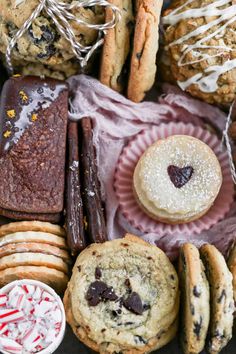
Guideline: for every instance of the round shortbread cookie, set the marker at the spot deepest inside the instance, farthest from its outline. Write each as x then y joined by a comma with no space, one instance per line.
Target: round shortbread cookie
31,226
221,298
22,247
32,236
52,277
195,300
177,179
138,294
33,259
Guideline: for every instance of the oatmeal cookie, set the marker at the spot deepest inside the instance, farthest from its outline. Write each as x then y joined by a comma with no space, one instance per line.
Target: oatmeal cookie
199,36
123,296
42,42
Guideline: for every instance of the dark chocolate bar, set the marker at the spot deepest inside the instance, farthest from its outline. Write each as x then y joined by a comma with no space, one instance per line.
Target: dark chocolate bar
92,197
33,124
74,204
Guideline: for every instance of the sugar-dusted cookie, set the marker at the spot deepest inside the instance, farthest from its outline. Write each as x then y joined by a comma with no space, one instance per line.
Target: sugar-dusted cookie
145,46
221,298
31,226
123,296
195,300
177,179
116,47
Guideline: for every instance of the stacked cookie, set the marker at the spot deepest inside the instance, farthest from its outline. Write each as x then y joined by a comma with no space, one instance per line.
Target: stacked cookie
232,267
34,250
123,297
129,52
206,299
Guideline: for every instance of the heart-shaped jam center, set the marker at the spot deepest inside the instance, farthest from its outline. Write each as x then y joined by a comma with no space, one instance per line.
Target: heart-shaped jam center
179,176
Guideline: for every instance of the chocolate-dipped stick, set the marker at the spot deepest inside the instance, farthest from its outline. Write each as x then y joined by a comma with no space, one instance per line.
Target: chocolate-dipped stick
92,196
74,205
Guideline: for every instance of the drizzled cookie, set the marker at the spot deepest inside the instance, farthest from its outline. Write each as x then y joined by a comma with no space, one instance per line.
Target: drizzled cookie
200,48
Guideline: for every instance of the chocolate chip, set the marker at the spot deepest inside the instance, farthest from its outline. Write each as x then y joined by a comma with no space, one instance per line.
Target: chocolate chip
134,304
98,273
197,328
172,277
146,307
192,309
109,294
180,176
196,292
139,339
222,295
127,283
103,330
139,55
99,291
94,293
79,268
50,50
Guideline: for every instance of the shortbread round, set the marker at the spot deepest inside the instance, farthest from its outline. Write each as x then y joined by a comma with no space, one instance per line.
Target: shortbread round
177,179
34,247
33,259
139,301
20,226
221,298
33,236
195,300
52,277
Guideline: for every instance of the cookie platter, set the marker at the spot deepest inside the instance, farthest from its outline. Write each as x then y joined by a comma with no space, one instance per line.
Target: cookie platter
117,194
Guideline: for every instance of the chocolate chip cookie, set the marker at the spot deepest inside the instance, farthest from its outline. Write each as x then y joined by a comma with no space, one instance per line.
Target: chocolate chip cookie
232,267
42,42
194,300
221,298
145,46
123,296
117,46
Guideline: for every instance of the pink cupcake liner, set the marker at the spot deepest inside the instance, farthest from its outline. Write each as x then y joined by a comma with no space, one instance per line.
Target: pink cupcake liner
124,178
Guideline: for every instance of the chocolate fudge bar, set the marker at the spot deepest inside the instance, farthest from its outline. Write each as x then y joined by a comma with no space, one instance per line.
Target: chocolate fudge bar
92,197
33,125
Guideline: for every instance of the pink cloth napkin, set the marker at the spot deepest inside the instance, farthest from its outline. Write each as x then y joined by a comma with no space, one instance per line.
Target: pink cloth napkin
116,120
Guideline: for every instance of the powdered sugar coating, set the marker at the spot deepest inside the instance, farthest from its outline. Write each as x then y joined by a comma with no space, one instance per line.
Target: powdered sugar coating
154,187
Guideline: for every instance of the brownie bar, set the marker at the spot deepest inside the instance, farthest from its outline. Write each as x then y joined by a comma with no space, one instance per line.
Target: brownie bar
92,198
33,124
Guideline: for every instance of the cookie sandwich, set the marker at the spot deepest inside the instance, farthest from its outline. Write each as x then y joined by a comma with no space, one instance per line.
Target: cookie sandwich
177,179
123,296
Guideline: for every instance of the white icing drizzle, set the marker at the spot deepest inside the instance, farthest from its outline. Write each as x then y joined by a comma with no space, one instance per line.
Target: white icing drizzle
206,80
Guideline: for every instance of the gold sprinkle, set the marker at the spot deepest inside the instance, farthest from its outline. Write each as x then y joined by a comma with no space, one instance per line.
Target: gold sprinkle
16,75
7,134
34,117
23,96
85,223
11,113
